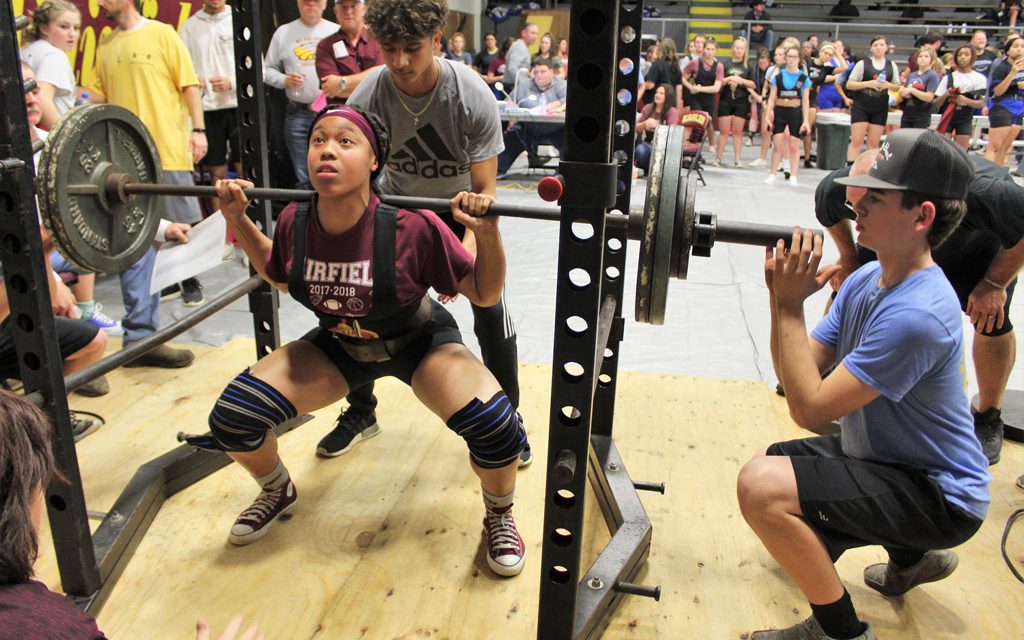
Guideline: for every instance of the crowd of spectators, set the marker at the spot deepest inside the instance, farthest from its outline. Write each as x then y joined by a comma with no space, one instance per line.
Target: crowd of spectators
737,91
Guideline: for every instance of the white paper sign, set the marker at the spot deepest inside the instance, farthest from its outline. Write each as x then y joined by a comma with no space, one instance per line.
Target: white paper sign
179,261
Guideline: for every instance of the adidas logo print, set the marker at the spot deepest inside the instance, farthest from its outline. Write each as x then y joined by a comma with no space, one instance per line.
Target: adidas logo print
426,155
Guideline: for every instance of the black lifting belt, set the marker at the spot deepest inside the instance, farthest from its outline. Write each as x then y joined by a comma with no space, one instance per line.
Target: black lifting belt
382,350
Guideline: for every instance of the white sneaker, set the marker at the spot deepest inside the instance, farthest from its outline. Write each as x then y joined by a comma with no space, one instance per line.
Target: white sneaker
759,163
716,162
770,179
793,182
748,142
738,164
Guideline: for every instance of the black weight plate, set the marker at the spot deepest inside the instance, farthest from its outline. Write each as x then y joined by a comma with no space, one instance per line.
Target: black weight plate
85,146
645,260
664,237
685,204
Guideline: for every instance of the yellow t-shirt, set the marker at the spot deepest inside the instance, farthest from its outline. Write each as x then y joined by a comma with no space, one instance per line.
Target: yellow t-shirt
145,70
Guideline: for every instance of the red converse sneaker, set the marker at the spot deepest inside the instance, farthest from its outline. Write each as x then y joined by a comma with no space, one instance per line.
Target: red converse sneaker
254,523
506,552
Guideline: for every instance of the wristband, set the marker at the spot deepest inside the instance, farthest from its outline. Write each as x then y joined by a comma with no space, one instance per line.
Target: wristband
994,284
344,83
197,130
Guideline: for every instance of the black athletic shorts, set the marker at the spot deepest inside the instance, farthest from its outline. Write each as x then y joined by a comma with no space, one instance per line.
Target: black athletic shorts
859,114
703,102
962,123
72,336
221,133
788,117
915,119
965,259
402,365
738,109
854,503
1002,117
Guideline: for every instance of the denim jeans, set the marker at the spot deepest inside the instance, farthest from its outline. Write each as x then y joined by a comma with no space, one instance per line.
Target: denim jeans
296,137
141,310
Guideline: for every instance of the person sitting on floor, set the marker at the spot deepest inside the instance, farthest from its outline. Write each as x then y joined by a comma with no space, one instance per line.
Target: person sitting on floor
906,472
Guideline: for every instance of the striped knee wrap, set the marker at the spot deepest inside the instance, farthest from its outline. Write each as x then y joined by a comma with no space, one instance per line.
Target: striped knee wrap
492,429
246,409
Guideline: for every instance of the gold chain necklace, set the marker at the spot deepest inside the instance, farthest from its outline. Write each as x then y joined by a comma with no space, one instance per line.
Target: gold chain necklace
416,114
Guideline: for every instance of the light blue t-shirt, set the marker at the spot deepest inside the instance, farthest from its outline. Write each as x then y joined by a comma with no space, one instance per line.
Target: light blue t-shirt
906,342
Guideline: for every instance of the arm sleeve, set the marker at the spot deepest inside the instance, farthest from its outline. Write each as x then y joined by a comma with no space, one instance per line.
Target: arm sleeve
272,69
719,72
1002,206
446,262
830,200
691,68
516,59
325,64
672,117
857,73
180,62
281,253
827,330
931,82
484,137
941,88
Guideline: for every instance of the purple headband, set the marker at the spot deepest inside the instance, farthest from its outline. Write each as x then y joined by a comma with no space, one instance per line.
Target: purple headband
355,118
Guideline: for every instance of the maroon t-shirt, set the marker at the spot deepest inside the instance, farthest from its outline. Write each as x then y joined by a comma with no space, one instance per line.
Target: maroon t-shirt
338,269
337,56
30,611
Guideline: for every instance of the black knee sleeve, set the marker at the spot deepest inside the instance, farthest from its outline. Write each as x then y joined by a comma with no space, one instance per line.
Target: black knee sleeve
247,408
492,429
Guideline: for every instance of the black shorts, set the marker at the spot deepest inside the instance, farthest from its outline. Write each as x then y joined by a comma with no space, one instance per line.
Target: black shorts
738,109
402,365
854,503
221,134
915,119
999,116
703,102
876,116
962,122
965,259
72,336
788,118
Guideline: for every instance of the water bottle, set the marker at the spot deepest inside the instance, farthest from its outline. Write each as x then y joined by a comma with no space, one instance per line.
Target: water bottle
82,99
543,108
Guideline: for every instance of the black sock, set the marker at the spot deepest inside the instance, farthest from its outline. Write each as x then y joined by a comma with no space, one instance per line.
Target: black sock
904,558
838,619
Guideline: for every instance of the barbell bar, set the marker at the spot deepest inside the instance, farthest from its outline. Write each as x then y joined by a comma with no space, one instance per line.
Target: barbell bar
100,174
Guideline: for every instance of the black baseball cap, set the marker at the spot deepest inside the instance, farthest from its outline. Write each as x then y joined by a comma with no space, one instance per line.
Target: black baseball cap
919,160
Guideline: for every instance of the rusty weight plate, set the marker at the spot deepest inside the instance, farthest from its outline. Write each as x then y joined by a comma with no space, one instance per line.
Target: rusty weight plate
652,205
683,240
89,226
664,235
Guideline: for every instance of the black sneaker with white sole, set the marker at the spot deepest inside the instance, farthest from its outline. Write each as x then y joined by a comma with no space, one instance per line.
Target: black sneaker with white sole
83,426
352,427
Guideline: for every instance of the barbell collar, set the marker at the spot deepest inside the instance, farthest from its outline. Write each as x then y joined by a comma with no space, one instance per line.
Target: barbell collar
20,23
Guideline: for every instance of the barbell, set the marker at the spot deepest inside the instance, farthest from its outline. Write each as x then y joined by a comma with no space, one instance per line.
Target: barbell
99,177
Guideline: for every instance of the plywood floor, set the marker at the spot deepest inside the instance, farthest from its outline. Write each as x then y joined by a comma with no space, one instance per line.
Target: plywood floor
385,542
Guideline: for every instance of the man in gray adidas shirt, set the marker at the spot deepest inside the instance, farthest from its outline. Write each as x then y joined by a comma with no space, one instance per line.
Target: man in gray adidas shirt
445,138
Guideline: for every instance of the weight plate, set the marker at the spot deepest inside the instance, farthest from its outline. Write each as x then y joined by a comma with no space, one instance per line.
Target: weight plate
664,236
645,260
91,227
685,204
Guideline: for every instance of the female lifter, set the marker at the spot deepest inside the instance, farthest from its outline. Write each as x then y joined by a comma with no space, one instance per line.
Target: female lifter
364,269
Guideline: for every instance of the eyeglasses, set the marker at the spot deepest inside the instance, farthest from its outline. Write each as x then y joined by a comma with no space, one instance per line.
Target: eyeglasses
849,205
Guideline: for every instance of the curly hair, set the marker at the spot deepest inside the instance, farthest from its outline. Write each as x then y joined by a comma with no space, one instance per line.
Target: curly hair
379,131
393,21
26,466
